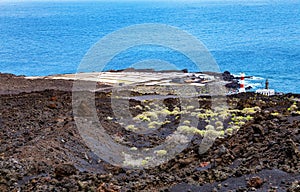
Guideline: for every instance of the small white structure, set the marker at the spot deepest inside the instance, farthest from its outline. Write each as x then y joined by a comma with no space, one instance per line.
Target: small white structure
268,92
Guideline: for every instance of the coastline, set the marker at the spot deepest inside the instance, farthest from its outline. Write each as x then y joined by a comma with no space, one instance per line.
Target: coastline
124,77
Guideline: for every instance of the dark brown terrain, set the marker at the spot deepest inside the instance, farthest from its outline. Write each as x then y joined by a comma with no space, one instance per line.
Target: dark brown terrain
41,149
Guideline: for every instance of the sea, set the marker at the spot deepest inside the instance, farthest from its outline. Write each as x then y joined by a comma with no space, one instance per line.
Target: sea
260,38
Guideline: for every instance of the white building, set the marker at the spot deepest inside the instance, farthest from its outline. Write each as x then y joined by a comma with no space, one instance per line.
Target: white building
268,92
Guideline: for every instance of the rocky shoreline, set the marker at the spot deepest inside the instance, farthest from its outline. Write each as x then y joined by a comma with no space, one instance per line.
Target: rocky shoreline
42,150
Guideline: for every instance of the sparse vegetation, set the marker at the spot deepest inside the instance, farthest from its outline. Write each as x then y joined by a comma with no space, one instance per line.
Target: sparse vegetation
154,124
161,152
293,107
229,131
275,114
251,110
141,117
133,149
190,107
130,128
190,130
209,127
213,134
144,162
219,124
138,107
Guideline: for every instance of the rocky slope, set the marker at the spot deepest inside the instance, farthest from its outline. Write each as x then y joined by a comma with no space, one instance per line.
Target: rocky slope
41,149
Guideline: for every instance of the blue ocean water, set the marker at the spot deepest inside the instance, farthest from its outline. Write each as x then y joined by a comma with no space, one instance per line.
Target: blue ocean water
260,38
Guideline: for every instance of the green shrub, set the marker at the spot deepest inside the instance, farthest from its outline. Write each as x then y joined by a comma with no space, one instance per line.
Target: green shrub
144,162
239,123
176,111
130,128
154,124
235,127
223,116
293,107
275,114
152,115
221,133
138,107
249,118
190,107
234,111
229,131
141,117
190,130
251,110
165,112
167,122
218,124
297,112
161,152
202,116
209,127
213,133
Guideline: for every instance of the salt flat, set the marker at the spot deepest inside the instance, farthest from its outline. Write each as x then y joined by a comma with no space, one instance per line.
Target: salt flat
128,78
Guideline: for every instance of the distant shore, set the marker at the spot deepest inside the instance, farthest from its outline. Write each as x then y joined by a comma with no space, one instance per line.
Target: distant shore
13,84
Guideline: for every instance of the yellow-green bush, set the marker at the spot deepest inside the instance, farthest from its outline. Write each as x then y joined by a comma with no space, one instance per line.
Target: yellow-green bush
138,107
141,117
209,127
190,130
190,107
213,133
202,116
218,124
130,128
161,152
293,107
154,124
275,114
251,110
